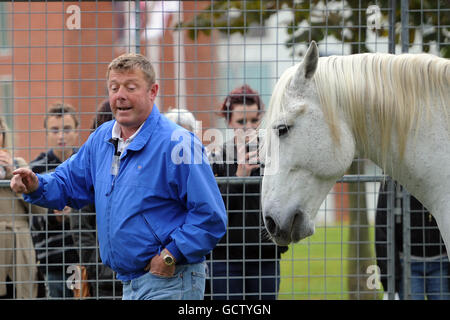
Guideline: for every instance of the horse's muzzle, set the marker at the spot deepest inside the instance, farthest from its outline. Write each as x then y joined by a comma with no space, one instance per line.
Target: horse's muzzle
297,229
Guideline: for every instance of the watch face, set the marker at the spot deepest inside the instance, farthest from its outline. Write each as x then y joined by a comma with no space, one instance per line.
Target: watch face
168,260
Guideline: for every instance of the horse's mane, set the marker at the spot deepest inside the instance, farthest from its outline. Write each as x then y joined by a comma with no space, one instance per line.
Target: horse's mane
395,89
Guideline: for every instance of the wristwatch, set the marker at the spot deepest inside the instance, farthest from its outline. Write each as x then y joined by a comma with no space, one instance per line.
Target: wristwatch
168,259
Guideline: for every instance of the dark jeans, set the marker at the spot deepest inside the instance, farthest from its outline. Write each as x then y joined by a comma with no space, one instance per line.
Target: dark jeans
9,290
428,280
57,286
244,280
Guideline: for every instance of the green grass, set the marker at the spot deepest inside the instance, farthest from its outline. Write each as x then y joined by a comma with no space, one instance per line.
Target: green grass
316,268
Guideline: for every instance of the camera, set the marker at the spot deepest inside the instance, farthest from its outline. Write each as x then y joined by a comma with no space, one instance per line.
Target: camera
252,146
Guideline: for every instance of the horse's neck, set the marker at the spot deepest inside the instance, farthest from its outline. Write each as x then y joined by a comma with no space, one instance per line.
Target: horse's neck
425,169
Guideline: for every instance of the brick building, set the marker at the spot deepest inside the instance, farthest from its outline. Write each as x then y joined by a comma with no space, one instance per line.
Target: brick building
59,51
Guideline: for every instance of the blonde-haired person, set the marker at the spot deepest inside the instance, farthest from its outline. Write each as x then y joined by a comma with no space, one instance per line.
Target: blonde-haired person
18,270
157,217
182,117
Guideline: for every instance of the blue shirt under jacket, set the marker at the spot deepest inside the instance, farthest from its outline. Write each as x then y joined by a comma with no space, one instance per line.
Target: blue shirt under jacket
164,195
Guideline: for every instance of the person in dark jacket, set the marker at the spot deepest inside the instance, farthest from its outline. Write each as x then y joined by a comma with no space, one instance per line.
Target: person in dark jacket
245,264
51,232
429,261
101,279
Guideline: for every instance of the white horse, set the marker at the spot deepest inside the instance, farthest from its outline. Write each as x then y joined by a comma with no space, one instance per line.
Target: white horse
392,109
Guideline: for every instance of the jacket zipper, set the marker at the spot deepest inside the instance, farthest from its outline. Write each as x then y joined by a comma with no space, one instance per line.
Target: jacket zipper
115,165
112,186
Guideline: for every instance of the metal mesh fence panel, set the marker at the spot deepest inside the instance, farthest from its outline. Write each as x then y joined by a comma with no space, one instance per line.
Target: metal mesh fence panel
58,52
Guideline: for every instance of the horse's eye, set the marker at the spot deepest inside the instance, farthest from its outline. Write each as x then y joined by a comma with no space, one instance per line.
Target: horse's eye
282,129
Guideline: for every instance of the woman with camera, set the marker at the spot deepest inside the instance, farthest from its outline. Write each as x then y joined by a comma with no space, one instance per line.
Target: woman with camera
245,264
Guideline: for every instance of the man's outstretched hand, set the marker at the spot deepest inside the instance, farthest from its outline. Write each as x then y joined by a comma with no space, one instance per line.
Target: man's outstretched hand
24,181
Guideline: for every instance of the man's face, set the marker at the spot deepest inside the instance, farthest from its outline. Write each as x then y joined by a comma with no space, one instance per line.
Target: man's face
130,97
61,133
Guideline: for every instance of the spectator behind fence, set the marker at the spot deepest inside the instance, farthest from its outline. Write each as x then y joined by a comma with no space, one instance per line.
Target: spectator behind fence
101,279
18,270
157,217
51,234
429,261
182,117
245,264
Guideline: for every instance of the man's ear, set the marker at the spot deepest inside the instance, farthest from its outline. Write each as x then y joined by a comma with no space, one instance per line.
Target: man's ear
154,91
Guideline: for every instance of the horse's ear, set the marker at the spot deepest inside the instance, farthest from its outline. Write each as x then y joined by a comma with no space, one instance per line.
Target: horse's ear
309,65
311,60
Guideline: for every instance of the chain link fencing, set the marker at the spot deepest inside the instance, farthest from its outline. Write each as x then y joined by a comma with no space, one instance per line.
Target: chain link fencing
58,52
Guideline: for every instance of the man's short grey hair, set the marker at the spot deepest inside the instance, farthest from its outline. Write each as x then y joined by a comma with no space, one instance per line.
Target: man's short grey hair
182,117
132,61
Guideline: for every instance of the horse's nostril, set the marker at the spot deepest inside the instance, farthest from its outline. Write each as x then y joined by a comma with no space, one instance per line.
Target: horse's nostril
297,218
271,225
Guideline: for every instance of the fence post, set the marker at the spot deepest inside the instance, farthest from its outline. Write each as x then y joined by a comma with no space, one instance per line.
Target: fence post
393,201
406,245
137,19
390,238
391,32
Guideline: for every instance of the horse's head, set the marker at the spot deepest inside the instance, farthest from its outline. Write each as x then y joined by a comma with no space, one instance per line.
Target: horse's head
309,159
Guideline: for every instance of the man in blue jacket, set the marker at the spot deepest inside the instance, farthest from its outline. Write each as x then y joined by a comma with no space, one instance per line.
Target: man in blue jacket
159,210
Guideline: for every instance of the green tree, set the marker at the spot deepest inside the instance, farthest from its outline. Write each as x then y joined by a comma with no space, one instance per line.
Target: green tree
345,20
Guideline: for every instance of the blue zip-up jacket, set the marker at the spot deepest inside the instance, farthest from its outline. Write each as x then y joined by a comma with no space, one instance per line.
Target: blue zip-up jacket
164,195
